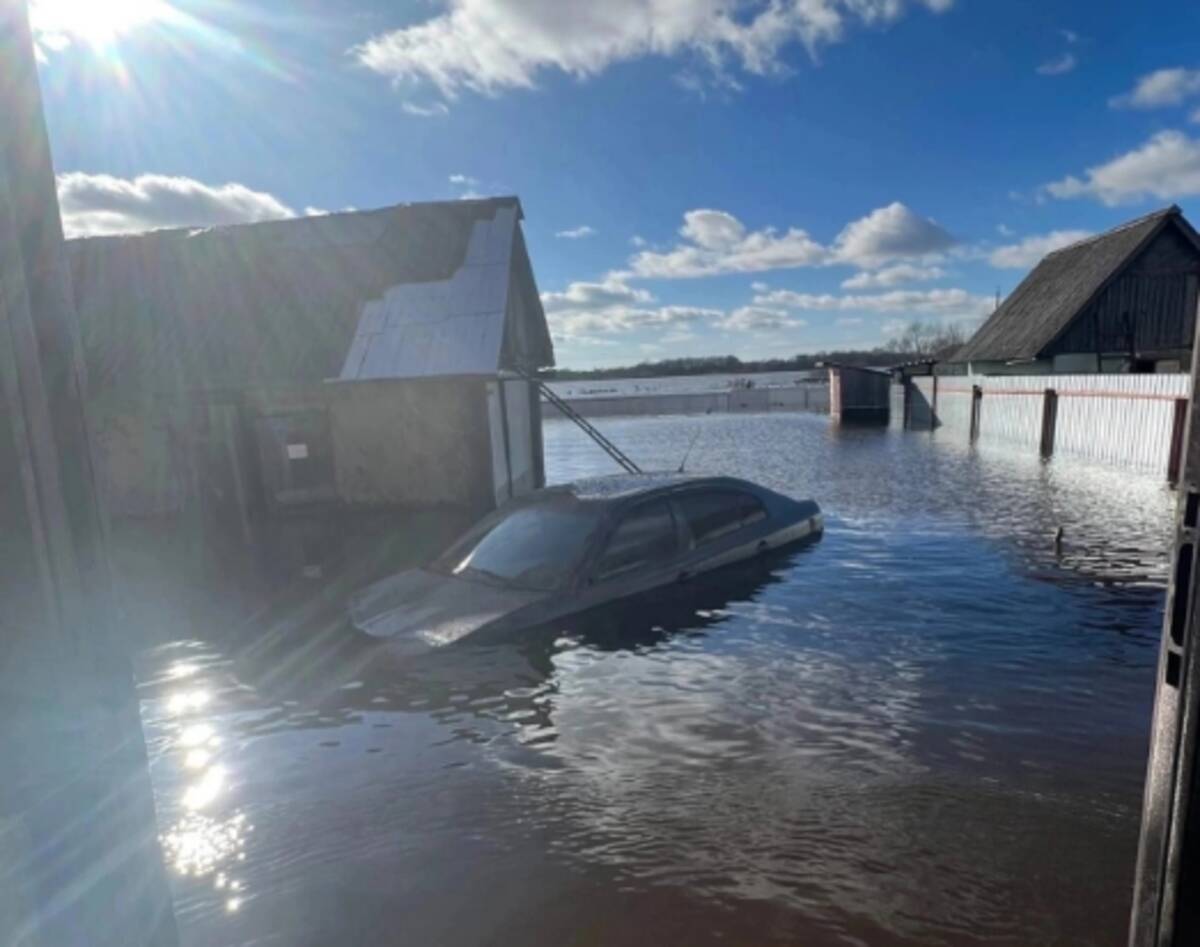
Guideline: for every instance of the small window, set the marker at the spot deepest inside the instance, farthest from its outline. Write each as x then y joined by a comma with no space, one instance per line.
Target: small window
645,536
712,514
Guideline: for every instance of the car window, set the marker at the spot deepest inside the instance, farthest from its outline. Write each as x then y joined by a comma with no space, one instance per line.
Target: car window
645,536
533,547
711,514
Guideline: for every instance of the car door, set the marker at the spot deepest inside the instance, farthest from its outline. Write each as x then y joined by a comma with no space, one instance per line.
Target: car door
641,553
721,526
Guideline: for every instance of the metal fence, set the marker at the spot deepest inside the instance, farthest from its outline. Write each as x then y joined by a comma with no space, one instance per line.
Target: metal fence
1130,421
814,398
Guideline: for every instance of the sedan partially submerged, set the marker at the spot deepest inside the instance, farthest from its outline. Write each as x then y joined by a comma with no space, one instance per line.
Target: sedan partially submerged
572,548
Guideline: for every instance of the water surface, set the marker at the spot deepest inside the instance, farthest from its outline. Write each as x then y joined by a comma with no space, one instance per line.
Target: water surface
926,729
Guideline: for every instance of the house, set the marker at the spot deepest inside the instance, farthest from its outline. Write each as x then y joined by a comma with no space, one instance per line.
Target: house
358,360
1122,301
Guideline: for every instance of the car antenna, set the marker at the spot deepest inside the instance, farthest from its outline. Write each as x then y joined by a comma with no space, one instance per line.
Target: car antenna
688,452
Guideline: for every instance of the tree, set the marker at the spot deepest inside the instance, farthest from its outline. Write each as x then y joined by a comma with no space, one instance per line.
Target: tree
935,340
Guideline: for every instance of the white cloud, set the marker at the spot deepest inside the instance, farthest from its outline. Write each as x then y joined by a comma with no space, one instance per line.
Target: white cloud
489,46
1167,166
890,233
576,233
759,319
586,309
637,241
1027,252
1160,88
464,180
1005,231
593,297
1070,36
893,276
97,204
425,111
716,242
929,302
1058,66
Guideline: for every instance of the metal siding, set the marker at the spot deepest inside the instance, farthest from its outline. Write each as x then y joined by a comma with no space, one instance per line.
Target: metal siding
448,327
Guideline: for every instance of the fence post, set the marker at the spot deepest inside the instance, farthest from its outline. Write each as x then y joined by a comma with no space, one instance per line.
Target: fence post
1178,431
976,402
1049,422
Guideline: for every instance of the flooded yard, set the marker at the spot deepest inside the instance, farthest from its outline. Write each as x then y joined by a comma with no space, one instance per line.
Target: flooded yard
929,728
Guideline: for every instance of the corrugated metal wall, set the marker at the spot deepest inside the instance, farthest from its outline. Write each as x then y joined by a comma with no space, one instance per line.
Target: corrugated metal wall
1011,410
1119,420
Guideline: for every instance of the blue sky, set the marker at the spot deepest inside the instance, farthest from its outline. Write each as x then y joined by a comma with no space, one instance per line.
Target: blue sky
699,177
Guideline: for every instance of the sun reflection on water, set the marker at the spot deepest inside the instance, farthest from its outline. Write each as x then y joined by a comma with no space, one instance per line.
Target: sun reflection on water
208,834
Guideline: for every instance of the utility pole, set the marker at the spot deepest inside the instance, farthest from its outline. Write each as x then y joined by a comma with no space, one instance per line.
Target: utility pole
80,862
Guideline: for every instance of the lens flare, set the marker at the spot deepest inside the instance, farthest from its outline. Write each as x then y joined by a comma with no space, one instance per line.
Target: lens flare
58,23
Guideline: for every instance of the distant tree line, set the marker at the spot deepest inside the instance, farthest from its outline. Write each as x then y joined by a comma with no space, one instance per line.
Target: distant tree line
918,340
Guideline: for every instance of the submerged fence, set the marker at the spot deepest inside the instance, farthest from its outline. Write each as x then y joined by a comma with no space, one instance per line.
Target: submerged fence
813,398
1131,421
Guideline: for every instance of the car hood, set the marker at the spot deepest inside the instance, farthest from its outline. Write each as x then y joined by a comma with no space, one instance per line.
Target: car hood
430,610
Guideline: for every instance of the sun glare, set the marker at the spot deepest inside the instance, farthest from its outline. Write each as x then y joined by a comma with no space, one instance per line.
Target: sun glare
96,22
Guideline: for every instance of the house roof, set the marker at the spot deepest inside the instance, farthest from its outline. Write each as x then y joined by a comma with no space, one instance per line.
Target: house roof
279,303
1061,287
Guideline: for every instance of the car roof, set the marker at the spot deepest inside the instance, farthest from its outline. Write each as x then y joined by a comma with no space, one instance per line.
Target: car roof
624,487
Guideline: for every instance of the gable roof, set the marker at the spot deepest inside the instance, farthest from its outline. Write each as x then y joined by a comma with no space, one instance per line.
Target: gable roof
278,303
1062,286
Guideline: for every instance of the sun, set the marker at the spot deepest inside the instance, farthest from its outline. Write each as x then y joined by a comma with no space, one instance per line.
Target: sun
99,23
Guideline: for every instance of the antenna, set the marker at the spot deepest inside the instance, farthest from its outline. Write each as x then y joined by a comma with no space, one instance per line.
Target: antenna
688,453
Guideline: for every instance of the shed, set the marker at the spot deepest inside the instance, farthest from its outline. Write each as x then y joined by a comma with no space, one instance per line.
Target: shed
858,394
374,358
1122,301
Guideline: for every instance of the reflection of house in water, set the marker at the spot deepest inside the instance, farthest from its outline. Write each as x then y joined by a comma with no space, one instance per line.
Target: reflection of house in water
359,360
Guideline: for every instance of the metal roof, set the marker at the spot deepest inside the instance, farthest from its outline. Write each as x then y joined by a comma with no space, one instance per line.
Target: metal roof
1061,287
453,326
280,303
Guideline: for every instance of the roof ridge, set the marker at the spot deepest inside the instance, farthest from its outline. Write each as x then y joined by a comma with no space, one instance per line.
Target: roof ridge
1172,211
191,230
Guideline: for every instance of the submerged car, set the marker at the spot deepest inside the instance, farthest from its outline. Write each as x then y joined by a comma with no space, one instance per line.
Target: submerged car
569,549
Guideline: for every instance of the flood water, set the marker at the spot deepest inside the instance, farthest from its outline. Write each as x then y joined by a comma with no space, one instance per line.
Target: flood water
926,729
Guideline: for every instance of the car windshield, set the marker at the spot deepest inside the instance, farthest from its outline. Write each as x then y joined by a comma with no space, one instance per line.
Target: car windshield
532,547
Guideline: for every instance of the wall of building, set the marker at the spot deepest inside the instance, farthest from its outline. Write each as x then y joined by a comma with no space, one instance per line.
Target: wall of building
140,453
420,443
411,443
1124,421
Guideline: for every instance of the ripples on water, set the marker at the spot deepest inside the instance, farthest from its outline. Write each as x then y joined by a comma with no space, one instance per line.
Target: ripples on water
926,729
